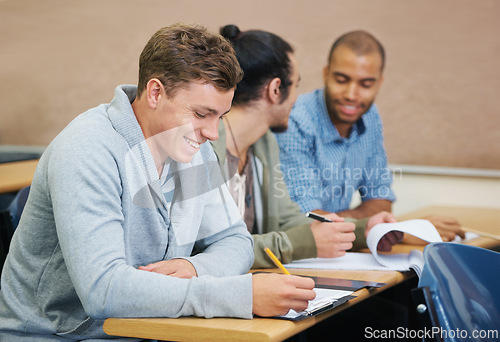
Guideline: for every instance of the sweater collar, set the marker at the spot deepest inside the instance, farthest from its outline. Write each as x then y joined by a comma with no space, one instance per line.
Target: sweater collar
122,115
123,119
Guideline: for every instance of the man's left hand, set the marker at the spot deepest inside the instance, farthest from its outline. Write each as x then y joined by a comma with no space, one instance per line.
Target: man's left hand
447,227
180,268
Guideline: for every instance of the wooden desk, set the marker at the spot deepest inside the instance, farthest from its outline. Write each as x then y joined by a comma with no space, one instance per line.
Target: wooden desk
267,329
257,329
16,175
480,219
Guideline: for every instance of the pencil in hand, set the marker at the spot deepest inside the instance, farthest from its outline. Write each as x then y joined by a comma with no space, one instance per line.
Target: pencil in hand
276,261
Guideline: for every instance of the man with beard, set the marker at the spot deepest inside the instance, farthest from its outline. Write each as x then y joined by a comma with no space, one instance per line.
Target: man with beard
249,157
334,146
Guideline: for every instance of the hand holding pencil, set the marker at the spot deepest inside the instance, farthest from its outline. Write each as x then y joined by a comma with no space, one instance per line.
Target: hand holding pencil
275,294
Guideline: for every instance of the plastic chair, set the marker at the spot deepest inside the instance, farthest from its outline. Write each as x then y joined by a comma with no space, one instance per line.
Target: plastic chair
9,219
6,231
16,207
458,294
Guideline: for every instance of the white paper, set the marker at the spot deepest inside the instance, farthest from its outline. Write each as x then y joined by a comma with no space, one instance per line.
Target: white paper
468,236
422,229
323,297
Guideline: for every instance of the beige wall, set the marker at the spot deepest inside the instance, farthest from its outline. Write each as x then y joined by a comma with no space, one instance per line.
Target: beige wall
415,191
439,100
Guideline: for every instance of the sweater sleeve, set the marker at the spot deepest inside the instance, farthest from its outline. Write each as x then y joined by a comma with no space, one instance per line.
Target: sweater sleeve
359,231
297,243
228,252
293,244
288,233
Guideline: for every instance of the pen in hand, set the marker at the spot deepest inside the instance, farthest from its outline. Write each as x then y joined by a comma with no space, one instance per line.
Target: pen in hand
276,261
317,217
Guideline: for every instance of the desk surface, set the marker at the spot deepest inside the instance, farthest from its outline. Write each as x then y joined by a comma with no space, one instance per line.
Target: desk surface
485,220
16,175
482,219
231,329
267,329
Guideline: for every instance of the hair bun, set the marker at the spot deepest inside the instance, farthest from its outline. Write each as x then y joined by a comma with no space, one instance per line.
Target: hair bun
230,31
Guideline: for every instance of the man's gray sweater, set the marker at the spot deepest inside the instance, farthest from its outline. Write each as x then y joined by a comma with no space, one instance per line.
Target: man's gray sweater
97,211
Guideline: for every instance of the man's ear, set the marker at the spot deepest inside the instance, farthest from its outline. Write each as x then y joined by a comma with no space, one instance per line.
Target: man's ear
381,80
154,89
273,90
326,70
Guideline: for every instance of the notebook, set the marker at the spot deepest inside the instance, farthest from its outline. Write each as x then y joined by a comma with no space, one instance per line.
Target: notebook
422,229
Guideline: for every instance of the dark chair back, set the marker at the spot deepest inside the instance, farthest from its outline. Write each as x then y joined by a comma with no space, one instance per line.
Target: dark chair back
458,293
6,232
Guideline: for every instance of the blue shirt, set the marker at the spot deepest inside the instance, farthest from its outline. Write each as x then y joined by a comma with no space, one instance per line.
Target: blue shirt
322,169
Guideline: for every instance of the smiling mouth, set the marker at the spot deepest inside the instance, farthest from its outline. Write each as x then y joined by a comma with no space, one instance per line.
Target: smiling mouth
192,143
349,109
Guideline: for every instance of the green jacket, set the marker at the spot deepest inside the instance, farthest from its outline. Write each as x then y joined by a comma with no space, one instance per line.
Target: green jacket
281,225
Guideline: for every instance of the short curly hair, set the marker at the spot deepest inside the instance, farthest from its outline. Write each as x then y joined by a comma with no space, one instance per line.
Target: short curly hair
179,54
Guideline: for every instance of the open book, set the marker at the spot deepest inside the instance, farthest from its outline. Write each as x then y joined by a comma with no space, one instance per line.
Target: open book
422,229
